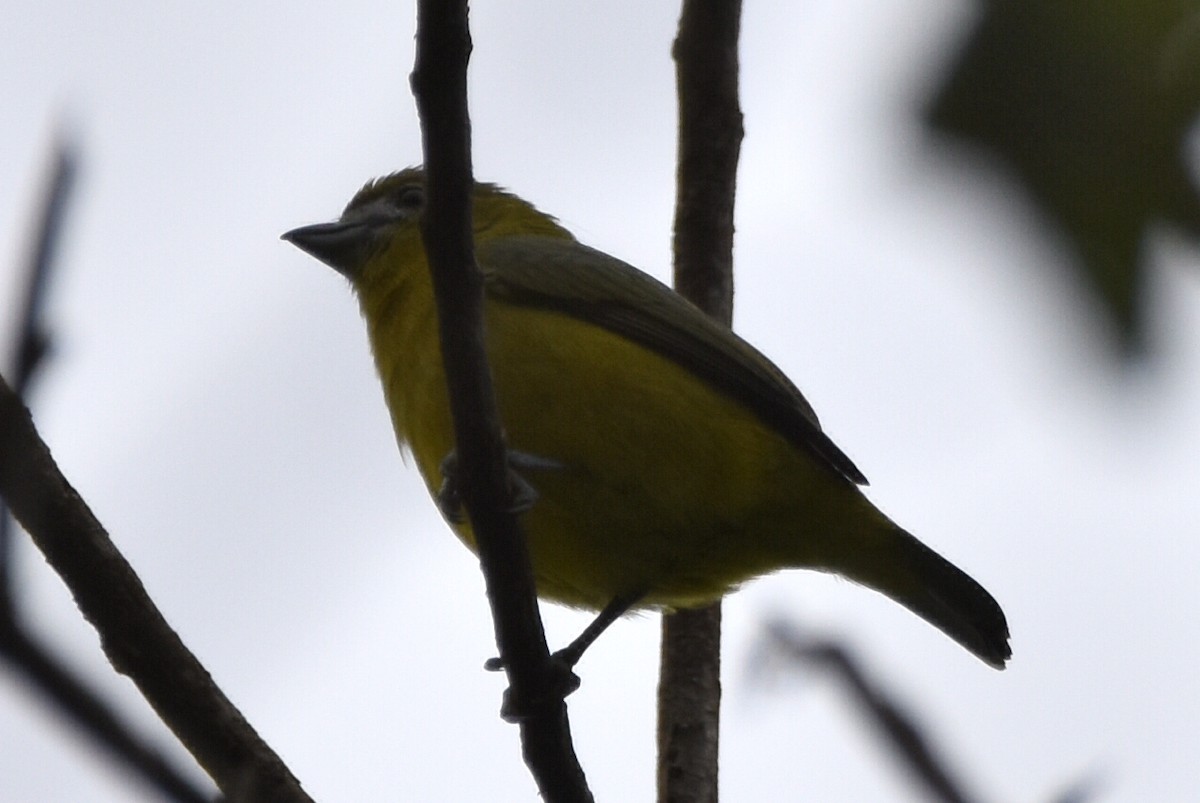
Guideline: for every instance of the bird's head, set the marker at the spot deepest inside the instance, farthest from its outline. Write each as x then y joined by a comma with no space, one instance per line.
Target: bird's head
385,216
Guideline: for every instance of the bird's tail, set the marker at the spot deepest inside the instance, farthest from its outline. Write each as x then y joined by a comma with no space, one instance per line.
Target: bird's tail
912,574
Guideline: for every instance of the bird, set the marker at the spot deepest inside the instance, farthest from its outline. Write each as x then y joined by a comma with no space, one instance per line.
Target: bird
663,461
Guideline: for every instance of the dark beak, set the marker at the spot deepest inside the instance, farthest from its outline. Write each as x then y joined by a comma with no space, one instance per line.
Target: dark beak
340,245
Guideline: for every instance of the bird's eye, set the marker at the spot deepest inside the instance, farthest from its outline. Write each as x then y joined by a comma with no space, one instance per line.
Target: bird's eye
410,199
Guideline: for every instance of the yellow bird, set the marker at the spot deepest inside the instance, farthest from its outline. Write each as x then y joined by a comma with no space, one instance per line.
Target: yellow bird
668,460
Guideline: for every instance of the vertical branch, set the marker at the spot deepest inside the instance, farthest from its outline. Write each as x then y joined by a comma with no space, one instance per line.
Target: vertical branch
710,136
32,341
439,82
710,140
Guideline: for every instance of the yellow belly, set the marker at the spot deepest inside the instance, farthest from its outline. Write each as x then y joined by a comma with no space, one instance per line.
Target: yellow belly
663,487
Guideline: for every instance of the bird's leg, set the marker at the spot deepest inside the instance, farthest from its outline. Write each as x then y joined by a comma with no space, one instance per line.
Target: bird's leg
562,662
524,495
569,655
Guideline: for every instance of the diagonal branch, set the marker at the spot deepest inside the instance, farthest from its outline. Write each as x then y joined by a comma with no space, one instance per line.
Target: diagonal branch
32,342
135,636
439,82
48,674
91,714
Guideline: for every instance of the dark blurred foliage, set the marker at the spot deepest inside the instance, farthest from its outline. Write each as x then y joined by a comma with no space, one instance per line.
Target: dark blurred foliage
787,647
1090,104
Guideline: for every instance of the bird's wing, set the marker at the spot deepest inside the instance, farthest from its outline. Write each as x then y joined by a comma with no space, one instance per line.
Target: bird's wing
562,275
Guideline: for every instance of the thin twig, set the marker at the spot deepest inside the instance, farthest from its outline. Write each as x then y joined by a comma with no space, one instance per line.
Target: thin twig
439,83
32,342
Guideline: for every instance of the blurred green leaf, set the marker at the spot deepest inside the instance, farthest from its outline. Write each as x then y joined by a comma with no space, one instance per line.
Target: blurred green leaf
1090,103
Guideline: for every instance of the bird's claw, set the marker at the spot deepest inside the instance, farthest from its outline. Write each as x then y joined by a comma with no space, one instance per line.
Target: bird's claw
521,492
563,681
448,498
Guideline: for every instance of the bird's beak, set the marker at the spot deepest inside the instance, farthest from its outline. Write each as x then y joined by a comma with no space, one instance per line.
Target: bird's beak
343,246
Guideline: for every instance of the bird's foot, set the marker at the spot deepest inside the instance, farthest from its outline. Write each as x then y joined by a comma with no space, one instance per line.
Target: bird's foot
563,679
522,493
562,682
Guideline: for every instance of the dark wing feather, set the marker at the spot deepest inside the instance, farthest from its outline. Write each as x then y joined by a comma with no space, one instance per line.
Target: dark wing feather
564,276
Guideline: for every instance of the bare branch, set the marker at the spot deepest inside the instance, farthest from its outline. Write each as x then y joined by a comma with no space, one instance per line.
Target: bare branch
710,136
439,83
91,714
46,673
133,633
710,142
